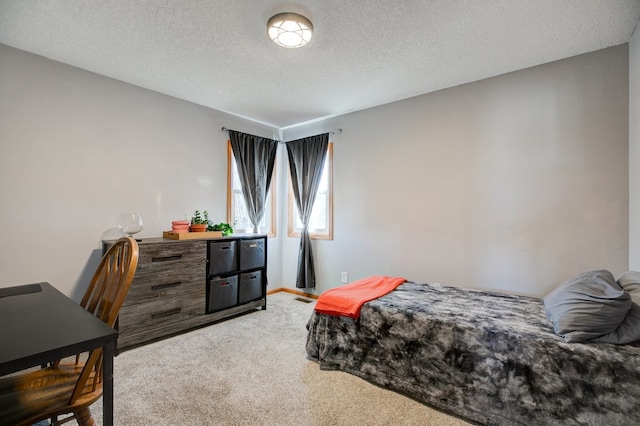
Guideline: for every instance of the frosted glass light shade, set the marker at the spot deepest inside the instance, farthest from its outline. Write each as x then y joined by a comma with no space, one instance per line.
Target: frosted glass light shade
289,30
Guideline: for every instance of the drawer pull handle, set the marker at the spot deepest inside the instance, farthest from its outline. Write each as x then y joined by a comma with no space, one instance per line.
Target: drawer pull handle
166,258
166,313
167,285
253,277
225,248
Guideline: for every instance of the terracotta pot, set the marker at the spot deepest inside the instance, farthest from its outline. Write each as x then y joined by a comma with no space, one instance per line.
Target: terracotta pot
199,228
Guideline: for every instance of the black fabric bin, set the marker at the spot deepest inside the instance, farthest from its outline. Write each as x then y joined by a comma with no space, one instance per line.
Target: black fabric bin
223,257
252,253
250,287
223,293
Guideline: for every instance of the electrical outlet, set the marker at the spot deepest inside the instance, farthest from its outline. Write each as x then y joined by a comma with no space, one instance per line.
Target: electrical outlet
345,277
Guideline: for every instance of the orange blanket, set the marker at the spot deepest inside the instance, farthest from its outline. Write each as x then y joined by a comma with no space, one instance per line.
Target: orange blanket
347,300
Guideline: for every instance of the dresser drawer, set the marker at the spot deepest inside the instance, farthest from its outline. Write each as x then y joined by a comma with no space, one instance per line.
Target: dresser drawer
170,285
157,313
158,258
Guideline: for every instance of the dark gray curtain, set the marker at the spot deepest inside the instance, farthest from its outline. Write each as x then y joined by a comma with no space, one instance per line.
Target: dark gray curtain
306,160
255,157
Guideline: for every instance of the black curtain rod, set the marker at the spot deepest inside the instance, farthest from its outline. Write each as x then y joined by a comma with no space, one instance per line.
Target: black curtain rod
224,129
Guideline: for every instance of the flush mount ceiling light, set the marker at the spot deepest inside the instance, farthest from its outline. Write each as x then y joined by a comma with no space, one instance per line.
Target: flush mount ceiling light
289,30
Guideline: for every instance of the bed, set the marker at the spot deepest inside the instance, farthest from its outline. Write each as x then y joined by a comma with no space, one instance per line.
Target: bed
487,357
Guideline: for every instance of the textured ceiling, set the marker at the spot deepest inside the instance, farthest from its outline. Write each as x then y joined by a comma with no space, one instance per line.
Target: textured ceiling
363,53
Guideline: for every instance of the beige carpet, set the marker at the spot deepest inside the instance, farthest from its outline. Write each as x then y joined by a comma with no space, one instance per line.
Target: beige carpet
251,370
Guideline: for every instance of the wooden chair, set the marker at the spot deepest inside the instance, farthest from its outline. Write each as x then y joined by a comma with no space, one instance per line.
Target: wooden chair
67,387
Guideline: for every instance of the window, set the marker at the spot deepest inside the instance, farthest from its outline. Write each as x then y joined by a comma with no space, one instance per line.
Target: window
321,223
237,214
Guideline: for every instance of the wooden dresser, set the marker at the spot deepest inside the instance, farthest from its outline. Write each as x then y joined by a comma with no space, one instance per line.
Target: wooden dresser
180,285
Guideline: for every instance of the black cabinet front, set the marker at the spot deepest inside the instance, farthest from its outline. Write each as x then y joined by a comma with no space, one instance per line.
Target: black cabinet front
253,253
222,257
236,272
250,286
223,293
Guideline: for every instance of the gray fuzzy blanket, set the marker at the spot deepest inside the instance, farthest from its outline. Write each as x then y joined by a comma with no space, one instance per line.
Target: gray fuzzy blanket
487,357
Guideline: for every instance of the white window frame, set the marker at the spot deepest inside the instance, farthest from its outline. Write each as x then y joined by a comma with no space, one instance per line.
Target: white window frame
232,193
294,222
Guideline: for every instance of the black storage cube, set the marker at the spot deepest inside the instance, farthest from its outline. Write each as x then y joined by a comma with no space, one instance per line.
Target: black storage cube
250,287
223,293
252,254
223,257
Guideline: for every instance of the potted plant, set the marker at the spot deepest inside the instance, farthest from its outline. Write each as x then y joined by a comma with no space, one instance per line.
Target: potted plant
199,223
224,227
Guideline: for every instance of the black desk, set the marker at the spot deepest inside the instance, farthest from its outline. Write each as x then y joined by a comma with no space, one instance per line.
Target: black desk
39,324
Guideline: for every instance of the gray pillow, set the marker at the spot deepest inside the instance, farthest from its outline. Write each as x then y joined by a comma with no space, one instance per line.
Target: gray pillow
629,330
630,282
587,306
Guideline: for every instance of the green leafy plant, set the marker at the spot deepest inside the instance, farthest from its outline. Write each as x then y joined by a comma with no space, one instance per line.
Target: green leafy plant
197,219
224,227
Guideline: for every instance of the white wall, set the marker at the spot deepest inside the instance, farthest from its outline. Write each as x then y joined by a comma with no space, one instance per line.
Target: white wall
513,183
77,149
634,151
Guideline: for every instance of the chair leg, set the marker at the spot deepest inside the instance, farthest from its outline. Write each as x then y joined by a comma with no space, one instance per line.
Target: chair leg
83,417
